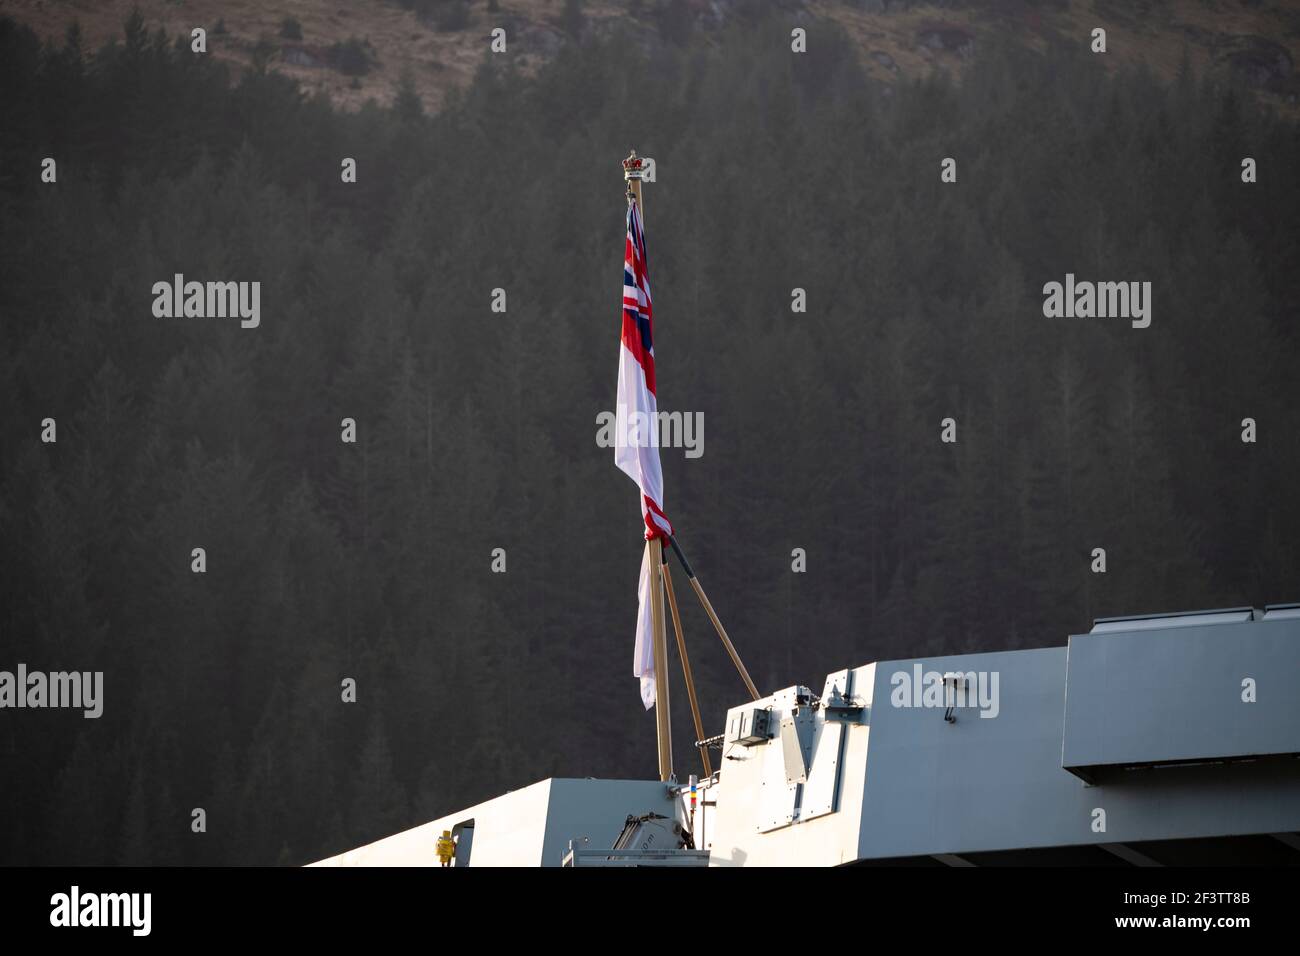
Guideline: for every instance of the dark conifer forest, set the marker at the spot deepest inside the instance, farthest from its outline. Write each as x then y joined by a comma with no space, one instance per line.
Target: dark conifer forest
476,429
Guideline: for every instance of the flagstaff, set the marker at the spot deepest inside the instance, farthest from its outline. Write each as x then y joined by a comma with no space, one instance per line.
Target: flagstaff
638,456
647,471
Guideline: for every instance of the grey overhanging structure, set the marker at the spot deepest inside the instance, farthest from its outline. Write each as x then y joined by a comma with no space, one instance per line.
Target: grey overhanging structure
1186,693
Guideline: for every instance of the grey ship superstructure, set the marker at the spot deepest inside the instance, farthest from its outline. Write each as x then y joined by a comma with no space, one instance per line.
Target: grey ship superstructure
1148,740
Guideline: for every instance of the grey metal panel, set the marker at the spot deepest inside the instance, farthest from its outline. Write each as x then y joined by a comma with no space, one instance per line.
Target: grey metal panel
797,729
1176,695
934,787
800,769
1281,613
778,796
591,812
983,784
1159,622
821,792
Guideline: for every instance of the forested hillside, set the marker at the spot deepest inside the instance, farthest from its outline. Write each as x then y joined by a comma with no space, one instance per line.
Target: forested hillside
353,51
477,430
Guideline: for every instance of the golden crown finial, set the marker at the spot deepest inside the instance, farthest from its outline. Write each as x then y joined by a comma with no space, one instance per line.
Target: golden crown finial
633,166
